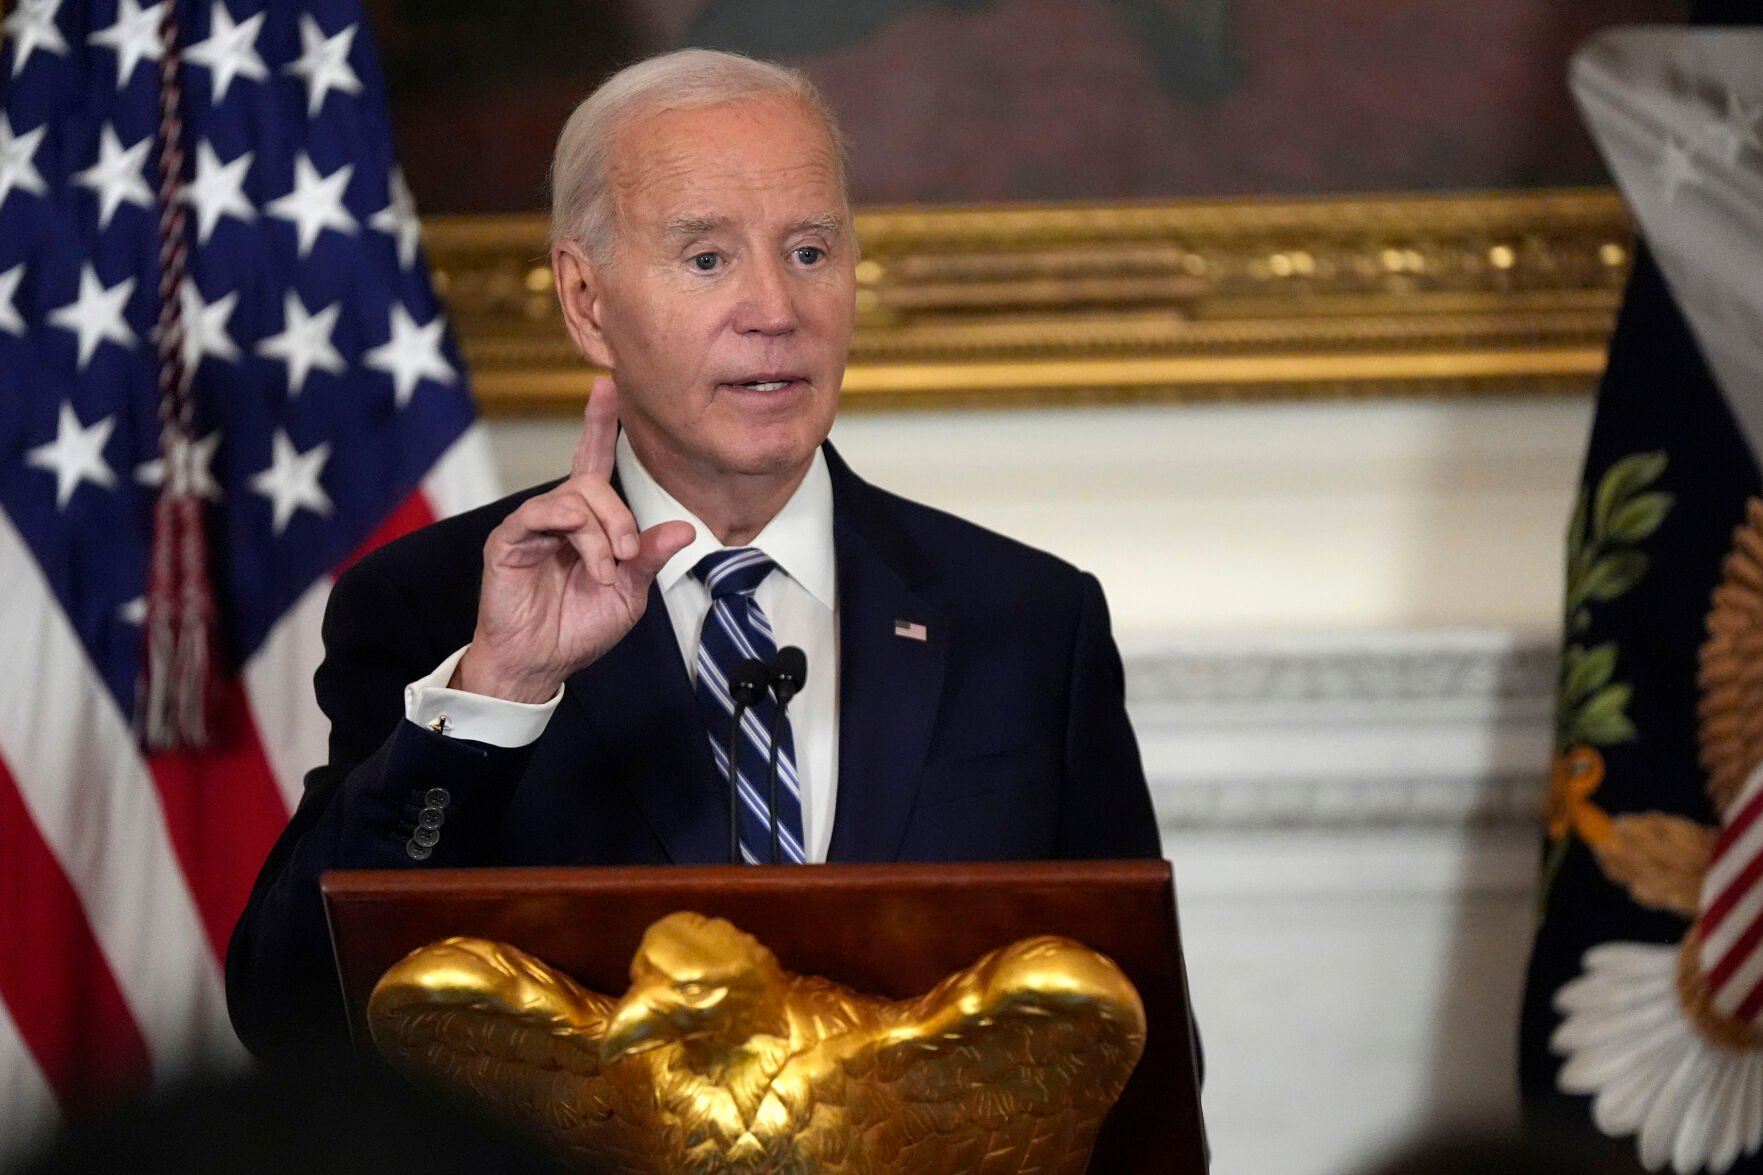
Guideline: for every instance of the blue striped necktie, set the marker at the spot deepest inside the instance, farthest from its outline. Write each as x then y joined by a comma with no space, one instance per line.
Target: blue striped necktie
734,629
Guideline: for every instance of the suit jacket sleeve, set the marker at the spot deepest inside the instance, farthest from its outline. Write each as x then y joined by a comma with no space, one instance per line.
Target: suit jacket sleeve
358,812
1105,806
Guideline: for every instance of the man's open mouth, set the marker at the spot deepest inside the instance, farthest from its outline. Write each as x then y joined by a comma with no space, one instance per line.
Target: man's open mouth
767,382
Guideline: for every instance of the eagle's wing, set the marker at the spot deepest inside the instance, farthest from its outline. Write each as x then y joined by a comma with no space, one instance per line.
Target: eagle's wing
502,1028
1008,1065
1658,857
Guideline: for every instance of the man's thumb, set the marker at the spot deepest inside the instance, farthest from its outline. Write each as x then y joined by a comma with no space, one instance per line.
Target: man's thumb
658,544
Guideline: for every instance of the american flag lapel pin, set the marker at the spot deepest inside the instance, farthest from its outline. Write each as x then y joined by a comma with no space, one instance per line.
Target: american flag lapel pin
910,630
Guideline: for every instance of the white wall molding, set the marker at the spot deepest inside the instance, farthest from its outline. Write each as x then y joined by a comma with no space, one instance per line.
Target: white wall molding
1381,731
1369,670
1349,804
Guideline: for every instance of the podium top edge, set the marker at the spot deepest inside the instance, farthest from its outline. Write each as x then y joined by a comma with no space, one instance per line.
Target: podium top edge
511,880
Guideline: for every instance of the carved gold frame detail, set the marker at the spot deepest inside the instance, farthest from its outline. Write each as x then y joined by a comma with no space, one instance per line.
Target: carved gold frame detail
1381,295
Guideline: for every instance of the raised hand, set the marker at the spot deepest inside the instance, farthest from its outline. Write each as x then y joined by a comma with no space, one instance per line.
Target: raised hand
566,575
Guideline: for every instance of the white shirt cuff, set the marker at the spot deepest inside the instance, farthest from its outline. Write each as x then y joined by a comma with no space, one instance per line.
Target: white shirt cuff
459,714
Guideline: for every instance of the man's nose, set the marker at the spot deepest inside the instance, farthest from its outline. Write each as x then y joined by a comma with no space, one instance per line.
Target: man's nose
767,307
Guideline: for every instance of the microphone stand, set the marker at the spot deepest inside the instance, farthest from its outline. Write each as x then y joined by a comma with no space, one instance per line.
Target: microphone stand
745,687
788,672
777,721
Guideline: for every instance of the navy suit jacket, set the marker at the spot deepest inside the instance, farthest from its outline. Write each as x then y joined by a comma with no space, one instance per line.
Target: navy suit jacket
1002,736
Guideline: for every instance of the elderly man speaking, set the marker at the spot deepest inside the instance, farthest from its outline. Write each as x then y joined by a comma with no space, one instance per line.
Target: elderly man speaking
551,679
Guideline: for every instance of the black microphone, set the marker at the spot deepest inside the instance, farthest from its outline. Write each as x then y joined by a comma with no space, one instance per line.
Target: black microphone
746,685
789,673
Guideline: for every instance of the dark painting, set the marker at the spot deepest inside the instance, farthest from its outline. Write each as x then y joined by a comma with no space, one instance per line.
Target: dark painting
989,100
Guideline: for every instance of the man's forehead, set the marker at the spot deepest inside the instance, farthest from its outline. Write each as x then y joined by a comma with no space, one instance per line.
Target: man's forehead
687,172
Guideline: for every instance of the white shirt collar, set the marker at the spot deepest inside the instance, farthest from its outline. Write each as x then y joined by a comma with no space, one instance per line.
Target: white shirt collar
799,538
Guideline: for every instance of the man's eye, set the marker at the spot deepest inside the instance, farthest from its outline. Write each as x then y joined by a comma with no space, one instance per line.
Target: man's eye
705,262
810,254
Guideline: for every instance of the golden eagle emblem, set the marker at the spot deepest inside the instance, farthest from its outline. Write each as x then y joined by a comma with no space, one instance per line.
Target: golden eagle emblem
717,1059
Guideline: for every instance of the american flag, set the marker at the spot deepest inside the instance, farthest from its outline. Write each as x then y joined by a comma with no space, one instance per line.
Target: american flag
330,414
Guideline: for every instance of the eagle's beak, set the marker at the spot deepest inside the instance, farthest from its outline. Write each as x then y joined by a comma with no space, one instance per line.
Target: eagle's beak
635,1028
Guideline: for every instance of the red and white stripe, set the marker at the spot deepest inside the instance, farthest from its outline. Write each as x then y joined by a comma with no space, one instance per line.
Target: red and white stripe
121,874
1731,919
278,680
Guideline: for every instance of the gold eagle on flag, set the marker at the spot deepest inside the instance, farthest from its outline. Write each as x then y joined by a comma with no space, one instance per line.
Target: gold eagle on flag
716,1059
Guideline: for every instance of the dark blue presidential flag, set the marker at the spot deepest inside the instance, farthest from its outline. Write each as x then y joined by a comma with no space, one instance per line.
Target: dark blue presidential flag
224,373
1643,1019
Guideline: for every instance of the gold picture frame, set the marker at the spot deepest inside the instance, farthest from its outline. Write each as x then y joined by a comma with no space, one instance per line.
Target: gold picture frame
1384,295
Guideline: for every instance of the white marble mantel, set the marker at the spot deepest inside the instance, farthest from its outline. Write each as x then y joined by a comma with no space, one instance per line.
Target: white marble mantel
1353,824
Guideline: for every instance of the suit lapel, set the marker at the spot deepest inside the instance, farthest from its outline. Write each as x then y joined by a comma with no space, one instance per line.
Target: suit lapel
889,685
639,702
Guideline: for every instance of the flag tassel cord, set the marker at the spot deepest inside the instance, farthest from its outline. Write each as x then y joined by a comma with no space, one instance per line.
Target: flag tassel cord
180,622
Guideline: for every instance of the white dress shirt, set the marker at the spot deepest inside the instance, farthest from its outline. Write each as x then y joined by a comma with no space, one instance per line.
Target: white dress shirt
799,597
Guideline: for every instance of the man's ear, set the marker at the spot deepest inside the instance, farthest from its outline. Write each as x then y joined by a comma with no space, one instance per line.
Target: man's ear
580,284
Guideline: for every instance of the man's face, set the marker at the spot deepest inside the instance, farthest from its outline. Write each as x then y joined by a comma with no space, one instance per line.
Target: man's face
725,306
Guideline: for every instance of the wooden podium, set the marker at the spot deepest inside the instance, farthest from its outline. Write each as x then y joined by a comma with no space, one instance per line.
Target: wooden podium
890,930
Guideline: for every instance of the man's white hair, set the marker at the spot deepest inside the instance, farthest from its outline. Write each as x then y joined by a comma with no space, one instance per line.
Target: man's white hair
686,79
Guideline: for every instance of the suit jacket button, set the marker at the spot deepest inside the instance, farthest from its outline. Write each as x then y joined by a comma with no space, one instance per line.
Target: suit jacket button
417,852
426,838
430,818
437,797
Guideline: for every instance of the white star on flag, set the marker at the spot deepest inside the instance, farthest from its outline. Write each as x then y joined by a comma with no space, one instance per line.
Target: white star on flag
412,354
291,481
305,342
1676,168
32,25
205,326
96,315
324,63
75,455
1739,130
10,320
218,190
316,203
230,50
16,167
398,218
134,36
116,177
133,611
193,462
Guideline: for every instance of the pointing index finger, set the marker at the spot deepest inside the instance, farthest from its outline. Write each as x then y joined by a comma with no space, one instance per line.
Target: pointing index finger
595,451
